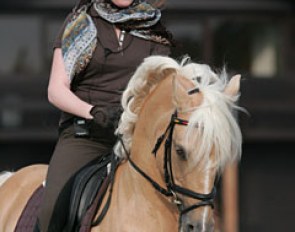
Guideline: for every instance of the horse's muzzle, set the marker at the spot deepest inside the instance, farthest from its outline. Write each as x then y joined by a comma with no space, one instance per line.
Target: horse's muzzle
198,227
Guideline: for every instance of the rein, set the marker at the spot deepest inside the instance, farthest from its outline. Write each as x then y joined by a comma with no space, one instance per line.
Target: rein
173,189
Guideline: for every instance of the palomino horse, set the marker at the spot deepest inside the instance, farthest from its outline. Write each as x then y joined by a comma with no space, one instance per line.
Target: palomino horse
178,132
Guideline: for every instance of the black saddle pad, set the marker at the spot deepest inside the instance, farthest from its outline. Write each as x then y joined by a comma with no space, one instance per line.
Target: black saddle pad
28,218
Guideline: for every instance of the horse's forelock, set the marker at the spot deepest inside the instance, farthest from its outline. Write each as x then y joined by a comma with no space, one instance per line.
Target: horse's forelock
217,126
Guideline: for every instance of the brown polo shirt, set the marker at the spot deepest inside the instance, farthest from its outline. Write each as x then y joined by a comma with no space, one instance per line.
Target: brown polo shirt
107,74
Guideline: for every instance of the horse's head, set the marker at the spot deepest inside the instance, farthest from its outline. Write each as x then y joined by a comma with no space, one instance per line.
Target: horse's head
184,112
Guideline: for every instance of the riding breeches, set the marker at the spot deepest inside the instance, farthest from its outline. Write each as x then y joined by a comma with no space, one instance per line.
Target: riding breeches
70,155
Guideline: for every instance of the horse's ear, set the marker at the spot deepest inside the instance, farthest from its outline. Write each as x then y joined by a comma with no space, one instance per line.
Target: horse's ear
233,87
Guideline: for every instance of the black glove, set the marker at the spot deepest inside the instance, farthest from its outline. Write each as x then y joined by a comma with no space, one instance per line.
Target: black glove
106,117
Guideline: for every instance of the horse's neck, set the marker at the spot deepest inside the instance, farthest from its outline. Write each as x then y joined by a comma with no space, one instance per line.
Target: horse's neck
134,198
135,187
148,127
136,206
142,156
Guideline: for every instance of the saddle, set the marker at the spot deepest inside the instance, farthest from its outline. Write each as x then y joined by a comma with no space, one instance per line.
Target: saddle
89,187
86,186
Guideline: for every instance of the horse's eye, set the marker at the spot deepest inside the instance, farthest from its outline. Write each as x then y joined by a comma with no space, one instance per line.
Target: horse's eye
180,151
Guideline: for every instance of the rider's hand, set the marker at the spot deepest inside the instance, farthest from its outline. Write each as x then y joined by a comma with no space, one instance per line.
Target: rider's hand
106,117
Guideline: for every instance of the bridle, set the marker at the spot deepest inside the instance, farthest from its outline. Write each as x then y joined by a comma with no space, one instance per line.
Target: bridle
172,189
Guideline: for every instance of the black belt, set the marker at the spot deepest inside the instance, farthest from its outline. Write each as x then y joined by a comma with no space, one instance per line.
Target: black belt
73,120
91,130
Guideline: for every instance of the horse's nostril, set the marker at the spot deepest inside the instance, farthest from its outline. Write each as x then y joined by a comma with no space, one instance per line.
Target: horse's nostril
199,227
189,228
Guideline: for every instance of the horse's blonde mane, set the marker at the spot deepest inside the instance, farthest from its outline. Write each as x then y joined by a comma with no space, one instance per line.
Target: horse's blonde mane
219,128
147,75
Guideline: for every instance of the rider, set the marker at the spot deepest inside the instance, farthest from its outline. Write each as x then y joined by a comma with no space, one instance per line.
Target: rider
126,31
